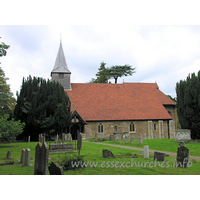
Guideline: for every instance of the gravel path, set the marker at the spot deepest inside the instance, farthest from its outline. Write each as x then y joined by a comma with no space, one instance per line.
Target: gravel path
150,150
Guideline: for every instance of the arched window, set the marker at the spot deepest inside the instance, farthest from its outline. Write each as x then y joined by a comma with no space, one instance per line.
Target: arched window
100,128
132,127
115,129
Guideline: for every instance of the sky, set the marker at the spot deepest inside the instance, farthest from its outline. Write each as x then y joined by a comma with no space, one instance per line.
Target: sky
164,54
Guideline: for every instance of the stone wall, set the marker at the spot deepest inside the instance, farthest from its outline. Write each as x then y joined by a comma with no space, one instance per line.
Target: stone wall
151,129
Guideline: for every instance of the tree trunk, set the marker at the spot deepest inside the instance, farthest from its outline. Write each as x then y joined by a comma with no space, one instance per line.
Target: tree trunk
116,80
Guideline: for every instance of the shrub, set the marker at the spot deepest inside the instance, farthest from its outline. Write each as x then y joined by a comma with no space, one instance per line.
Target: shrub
71,162
98,139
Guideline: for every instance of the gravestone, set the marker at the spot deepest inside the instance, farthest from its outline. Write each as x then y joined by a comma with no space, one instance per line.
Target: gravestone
27,157
126,140
145,136
119,139
55,169
41,159
183,135
96,135
22,156
8,155
132,140
63,137
79,142
140,140
146,151
158,156
29,139
114,138
107,153
183,155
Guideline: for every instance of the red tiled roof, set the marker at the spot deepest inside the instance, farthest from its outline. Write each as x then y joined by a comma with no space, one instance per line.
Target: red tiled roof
127,101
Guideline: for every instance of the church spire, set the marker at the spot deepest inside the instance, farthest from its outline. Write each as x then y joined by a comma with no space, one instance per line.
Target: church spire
60,64
60,72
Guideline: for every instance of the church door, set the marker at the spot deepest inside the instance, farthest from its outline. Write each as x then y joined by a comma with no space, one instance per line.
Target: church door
74,132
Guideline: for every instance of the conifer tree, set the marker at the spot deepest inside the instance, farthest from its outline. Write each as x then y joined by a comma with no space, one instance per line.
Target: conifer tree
188,104
43,106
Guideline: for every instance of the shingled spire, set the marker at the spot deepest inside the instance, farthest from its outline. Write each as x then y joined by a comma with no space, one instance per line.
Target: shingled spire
60,72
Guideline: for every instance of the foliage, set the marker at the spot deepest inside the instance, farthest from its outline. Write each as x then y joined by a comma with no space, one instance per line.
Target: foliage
7,101
43,106
119,71
188,104
10,129
66,163
98,139
3,48
104,74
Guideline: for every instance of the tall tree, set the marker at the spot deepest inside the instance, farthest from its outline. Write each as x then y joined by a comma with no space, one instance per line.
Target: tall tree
188,103
43,106
117,71
102,74
3,48
7,101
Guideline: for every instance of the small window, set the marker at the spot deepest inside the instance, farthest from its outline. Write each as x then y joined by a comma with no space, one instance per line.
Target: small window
132,127
115,129
170,113
100,128
61,75
154,127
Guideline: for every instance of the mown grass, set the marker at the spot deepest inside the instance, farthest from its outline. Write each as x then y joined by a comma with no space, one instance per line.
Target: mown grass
93,153
161,144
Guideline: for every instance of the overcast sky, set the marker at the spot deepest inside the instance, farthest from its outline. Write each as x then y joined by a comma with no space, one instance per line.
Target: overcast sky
161,54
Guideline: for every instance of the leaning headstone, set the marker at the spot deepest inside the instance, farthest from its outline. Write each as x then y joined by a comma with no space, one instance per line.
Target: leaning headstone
146,151
41,159
158,156
132,140
27,157
107,153
140,140
22,156
8,155
183,155
55,169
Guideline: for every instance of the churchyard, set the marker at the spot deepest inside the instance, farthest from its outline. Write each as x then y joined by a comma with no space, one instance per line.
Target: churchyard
123,162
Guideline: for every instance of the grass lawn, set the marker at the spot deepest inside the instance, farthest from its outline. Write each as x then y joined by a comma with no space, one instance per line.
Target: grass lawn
162,145
105,166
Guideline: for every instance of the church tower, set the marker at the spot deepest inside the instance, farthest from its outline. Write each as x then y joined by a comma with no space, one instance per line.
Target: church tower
60,72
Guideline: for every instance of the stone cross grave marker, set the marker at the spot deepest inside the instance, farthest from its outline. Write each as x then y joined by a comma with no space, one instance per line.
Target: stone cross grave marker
41,159
8,155
158,156
22,156
146,151
183,155
55,169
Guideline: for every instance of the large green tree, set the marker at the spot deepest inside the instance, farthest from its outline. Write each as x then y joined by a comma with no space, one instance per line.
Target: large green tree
117,71
7,101
102,74
188,104
43,106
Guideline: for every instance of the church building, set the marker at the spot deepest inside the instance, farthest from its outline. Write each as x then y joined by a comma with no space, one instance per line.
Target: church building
140,109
